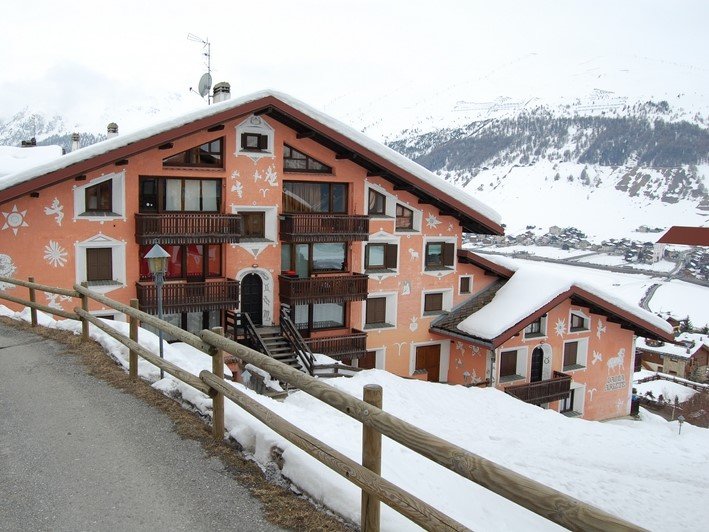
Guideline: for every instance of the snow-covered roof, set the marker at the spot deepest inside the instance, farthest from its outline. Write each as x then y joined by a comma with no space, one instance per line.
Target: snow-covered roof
688,344
359,138
14,159
532,288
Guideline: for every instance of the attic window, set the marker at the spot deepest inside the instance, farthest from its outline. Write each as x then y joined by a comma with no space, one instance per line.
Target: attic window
208,155
254,142
578,322
296,161
99,197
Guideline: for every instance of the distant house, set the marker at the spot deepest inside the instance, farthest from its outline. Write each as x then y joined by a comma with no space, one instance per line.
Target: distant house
547,340
687,357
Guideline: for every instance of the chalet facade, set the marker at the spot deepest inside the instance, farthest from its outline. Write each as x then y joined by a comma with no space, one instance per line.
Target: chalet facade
276,215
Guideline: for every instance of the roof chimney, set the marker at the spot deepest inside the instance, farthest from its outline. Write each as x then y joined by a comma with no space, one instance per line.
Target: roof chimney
29,143
112,130
222,92
74,141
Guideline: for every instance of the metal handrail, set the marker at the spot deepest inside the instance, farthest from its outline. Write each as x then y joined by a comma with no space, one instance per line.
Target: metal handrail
291,334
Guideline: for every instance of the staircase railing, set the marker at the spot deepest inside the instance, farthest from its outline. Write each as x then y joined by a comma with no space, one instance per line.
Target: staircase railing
242,321
300,348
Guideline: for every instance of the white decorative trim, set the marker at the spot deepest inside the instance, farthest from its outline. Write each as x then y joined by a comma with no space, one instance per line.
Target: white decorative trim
118,198
581,354
270,228
447,240
382,237
391,314
447,301
522,363
267,291
257,125
118,254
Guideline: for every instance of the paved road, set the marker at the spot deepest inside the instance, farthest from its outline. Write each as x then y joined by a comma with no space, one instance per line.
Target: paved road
77,454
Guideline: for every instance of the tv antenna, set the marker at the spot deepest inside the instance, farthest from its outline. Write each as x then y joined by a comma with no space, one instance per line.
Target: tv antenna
205,82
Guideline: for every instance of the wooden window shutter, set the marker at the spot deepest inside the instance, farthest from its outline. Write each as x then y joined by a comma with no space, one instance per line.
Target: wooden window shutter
508,363
99,264
465,285
263,142
376,310
244,142
448,252
391,251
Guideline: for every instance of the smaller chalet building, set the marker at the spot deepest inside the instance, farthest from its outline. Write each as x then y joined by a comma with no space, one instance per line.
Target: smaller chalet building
686,357
548,340
273,211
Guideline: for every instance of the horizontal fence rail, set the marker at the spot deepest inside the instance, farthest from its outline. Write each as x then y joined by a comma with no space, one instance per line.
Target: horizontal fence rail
324,227
187,228
33,287
538,498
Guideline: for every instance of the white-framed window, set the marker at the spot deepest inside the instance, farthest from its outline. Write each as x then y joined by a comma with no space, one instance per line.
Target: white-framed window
380,255
102,199
268,216
578,321
255,138
378,362
574,404
408,218
379,202
426,358
435,302
101,261
465,284
438,255
536,329
380,310
575,354
513,364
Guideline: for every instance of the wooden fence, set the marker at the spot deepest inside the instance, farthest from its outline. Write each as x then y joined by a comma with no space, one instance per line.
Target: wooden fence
538,498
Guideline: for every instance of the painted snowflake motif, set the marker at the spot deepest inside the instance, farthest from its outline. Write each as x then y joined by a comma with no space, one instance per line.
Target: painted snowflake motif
450,228
257,176
55,209
55,255
560,327
597,357
459,346
7,268
14,219
620,405
432,222
600,329
271,176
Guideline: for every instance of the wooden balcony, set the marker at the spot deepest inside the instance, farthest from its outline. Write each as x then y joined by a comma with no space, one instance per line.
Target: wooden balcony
303,228
322,289
179,296
350,345
187,228
536,393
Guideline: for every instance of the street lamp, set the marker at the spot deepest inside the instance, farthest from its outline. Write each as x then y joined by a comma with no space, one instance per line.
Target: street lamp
157,264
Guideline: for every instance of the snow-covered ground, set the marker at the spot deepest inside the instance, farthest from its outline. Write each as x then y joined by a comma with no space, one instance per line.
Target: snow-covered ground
667,389
683,299
619,466
549,252
604,259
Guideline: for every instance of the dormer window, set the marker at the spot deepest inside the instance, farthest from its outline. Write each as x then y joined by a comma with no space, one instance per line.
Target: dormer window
404,218
377,203
537,328
297,161
208,155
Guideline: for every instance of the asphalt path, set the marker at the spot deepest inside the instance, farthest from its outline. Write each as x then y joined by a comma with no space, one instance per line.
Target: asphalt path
77,454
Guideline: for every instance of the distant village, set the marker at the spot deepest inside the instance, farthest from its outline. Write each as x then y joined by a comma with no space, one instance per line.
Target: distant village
692,263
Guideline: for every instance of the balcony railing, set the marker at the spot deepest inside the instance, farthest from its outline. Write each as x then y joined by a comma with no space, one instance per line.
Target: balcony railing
351,345
303,228
187,228
325,289
189,297
536,393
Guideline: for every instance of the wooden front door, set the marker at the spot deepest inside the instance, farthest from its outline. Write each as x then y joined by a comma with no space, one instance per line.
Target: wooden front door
252,297
537,365
428,357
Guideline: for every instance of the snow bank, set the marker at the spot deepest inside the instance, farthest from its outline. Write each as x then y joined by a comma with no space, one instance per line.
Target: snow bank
619,466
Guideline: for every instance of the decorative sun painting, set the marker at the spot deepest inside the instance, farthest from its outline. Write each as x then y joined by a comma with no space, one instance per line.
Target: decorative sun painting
15,219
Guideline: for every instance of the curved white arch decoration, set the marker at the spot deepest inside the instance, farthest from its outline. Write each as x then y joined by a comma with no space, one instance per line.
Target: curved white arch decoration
267,280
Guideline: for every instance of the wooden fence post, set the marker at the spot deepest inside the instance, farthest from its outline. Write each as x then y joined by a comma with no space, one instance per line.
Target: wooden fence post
372,460
33,299
133,356
218,398
85,308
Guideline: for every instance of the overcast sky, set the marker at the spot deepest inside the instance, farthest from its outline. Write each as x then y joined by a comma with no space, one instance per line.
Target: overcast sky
328,52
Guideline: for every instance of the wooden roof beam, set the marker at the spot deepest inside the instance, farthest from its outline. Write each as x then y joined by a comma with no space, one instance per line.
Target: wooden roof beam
265,111
308,134
350,156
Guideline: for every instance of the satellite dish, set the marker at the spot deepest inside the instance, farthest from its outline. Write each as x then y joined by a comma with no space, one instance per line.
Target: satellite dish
205,83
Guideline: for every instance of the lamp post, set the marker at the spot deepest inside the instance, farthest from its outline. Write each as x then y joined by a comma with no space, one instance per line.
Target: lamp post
157,264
